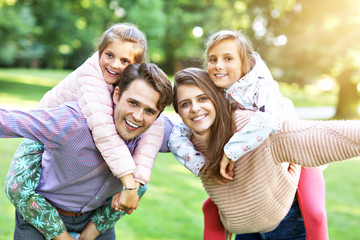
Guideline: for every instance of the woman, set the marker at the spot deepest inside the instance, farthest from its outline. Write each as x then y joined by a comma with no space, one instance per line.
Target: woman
265,180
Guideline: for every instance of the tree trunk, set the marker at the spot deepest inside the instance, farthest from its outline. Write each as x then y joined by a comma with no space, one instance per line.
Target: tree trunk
348,97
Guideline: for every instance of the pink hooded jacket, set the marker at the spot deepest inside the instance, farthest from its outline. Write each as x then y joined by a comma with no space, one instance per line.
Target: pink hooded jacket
87,85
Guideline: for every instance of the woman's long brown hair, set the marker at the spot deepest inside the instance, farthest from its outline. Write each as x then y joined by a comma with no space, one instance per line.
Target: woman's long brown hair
223,127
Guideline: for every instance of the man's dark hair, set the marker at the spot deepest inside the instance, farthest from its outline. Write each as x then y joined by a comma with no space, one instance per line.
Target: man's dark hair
153,76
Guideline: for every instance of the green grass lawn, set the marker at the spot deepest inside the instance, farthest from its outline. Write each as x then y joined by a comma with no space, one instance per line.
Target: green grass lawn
171,209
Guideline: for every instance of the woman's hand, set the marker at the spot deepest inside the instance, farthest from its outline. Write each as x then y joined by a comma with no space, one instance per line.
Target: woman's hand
227,168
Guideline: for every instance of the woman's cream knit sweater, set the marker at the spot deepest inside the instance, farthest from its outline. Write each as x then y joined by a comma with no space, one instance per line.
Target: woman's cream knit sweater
266,178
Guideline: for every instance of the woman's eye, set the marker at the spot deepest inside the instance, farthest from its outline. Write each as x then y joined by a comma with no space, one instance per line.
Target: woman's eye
203,99
185,104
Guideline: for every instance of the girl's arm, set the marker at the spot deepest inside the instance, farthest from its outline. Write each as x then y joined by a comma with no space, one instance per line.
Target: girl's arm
147,150
184,150
272,109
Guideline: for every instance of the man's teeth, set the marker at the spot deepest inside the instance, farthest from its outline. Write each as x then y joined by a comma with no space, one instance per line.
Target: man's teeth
199,117
132,125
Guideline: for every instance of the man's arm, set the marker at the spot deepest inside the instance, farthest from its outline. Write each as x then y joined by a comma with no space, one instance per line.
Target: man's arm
52,127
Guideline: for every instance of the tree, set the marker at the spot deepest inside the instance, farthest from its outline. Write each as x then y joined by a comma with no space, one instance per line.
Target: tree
323,39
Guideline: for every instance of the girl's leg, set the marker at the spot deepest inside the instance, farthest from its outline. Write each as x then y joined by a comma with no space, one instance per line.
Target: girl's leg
311,198
20,184
213,228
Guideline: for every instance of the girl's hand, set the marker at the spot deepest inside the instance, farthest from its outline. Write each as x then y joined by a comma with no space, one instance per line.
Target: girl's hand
126,200
227,168
64,236
90,232
220,180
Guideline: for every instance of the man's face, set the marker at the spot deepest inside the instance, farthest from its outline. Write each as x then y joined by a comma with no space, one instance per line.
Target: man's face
136,110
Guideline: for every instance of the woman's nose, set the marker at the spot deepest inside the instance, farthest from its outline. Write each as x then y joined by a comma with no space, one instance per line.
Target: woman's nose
195,107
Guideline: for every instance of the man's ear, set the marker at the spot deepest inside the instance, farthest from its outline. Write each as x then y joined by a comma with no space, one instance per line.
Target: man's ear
116,95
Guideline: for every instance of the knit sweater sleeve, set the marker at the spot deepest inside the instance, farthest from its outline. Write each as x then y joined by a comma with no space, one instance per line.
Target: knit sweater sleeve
315,143
310,143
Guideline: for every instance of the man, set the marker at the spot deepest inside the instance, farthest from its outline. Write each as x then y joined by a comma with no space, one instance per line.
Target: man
74,178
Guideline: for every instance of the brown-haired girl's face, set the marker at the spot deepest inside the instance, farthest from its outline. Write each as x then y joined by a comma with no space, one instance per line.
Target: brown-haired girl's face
115,58
195,108
224,63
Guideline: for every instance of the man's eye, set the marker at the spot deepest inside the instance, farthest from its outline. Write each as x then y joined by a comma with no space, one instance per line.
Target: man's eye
150,112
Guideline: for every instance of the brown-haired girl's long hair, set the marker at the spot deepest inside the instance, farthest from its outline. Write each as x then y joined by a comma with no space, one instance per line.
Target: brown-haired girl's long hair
223,127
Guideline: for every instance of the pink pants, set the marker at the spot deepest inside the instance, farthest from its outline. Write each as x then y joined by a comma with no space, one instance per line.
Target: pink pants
311,198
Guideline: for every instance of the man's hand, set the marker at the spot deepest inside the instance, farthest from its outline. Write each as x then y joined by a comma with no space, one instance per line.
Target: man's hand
226,168
90,232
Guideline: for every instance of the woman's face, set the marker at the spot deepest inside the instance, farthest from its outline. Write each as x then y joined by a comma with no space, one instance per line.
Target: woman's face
115,58
195,108
224,63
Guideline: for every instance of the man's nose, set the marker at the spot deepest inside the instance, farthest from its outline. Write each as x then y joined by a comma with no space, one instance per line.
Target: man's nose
138,115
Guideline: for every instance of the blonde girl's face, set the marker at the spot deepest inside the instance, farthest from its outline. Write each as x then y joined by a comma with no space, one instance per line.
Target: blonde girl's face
115,58
195,108
224,63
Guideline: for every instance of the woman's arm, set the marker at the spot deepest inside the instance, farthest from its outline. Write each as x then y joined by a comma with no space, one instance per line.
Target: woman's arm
315,143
